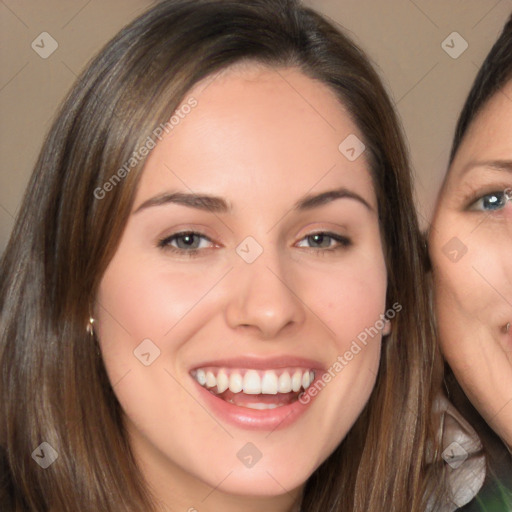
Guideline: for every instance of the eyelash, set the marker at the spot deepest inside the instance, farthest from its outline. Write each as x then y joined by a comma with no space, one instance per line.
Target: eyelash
164,243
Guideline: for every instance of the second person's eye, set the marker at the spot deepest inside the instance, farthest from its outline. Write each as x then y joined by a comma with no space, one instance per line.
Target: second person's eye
490,202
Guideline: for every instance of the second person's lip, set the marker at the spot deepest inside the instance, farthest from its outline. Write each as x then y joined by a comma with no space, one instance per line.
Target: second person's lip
507,337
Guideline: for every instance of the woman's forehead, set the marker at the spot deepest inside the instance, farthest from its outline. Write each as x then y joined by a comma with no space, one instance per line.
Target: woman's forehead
259,127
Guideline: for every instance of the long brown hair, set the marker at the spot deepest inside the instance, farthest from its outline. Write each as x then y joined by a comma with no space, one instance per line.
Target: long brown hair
55,389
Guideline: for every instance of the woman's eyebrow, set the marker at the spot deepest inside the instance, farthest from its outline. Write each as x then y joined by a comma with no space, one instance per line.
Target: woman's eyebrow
199,201
315,200
496,165
219,205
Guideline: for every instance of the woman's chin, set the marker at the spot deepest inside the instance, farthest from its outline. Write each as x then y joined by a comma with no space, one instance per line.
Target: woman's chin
265,481
258,486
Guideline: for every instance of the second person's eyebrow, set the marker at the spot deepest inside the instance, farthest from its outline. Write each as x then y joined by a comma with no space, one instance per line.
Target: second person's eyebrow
497,165
220,205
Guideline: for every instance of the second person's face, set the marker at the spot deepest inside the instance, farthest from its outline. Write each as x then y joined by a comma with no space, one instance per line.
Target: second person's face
471,251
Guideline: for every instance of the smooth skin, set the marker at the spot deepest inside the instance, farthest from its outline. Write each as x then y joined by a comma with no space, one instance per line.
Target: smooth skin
474,294
262,139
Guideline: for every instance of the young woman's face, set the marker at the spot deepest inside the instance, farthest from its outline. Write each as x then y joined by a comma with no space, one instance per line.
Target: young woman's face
283,272
471,250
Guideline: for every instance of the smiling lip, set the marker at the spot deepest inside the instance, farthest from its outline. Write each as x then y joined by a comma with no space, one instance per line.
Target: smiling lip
286,407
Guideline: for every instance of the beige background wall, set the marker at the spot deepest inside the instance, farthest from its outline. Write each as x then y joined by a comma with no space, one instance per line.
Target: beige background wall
403,37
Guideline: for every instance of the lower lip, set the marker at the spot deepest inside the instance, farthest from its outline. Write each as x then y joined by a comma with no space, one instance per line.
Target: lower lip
253,419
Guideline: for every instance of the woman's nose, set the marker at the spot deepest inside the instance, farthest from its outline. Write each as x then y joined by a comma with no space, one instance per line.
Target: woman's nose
262,297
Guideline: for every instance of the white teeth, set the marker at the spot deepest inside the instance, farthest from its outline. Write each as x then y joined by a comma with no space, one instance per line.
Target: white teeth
296,381
254,382
285,383
269,383
236,383
211,381
261,406
201,377
222,381
305,380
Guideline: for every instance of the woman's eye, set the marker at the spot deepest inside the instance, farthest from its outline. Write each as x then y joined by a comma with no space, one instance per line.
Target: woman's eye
190,243
187,242
323,241
490,202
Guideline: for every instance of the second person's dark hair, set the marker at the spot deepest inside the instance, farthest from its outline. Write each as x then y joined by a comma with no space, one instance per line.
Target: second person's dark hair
495,72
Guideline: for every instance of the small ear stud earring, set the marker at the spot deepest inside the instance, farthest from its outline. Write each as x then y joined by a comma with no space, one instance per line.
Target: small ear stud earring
506,328
90,326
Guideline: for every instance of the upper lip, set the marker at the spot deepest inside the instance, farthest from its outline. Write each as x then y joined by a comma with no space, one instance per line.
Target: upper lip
260,363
